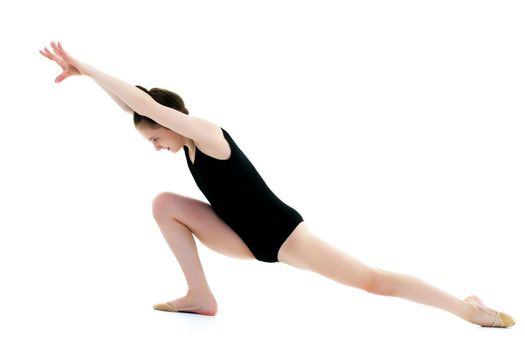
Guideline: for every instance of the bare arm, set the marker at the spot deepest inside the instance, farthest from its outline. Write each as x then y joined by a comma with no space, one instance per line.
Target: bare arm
129,96
122,105
195,128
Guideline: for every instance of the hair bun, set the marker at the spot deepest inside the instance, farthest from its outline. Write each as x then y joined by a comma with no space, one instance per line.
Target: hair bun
143,89
164,97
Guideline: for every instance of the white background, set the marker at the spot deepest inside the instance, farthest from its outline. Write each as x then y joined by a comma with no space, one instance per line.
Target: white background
396,128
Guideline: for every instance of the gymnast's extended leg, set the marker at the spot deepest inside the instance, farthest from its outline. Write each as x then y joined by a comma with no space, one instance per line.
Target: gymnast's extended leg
306,251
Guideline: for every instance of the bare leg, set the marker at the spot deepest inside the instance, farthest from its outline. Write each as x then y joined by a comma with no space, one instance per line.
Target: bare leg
306,251
180,218
182,243
414,289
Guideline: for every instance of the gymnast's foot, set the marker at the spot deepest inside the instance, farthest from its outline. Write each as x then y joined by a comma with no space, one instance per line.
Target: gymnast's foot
487,317
191,303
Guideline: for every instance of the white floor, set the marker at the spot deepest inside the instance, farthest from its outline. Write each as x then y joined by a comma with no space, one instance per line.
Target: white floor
260,306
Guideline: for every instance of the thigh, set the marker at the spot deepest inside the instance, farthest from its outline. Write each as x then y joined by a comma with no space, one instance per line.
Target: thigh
306,251
202,221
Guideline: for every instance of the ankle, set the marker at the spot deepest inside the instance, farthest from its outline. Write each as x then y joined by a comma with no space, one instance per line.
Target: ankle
469,313
200,293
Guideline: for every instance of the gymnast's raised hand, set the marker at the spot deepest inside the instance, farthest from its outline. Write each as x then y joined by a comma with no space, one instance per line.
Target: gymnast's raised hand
70,65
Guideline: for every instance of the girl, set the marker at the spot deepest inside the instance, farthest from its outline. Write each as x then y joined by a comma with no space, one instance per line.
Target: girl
244,218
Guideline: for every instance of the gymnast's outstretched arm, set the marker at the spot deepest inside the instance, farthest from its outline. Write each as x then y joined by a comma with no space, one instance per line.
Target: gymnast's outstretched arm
195,128
121,103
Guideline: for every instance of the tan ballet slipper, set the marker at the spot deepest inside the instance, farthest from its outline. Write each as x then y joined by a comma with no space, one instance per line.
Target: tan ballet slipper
164,307
167,307
501,319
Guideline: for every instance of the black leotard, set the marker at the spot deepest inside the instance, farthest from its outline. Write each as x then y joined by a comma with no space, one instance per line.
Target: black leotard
241,198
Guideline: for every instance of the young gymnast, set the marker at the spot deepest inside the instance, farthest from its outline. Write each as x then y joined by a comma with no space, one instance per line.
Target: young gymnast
244,219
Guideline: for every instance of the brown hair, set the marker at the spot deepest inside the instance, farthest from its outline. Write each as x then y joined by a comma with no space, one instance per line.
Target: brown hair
164,97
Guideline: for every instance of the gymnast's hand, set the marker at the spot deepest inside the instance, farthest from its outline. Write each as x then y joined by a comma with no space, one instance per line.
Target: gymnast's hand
70,65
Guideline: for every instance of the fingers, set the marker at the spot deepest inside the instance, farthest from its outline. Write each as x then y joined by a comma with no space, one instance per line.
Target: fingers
55,48
61,77
59,50
55,58
63,59
46,53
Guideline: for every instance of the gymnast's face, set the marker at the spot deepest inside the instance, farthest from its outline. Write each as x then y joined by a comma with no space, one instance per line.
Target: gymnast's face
162,138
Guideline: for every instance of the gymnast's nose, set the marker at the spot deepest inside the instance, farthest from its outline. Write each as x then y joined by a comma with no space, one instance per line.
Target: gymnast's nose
159,148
